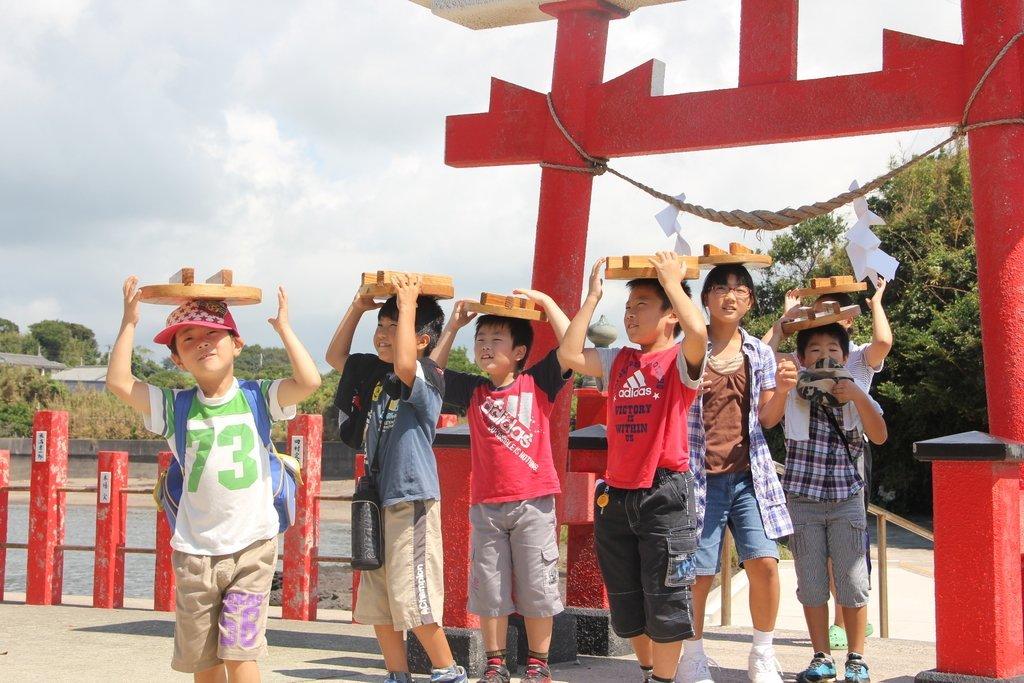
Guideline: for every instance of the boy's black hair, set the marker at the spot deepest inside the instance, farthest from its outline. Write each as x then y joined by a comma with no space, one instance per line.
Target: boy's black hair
844,299
519,328
173,344
655,284
429,317
835,330
719,275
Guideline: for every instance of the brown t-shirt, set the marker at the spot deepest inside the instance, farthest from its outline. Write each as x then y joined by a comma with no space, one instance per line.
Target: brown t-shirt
726,411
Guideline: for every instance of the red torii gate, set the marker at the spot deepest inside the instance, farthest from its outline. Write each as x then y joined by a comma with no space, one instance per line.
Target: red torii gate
923,84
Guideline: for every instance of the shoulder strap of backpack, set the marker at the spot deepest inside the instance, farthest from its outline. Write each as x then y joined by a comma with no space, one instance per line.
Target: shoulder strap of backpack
182,404
258,405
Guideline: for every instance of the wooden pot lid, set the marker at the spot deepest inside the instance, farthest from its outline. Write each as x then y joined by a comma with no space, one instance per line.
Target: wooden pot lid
506,306
841,284
378,284
825,314
182,288
633,267
737,254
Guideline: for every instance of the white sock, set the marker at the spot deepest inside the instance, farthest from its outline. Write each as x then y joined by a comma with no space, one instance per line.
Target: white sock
763,638
693,648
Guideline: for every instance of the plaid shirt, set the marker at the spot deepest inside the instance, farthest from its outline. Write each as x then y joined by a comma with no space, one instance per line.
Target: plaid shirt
820,467
770,498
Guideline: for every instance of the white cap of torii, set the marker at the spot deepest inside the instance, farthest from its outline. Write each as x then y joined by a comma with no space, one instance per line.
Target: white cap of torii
479,14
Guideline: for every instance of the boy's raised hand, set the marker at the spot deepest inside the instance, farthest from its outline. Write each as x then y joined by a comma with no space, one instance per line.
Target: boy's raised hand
667,265
365,302
408,286
131,300
460,316
281,321
534,295
597,278
876,298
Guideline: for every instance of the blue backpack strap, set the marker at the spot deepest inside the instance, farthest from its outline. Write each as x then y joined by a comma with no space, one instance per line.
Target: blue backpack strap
182,404
258,405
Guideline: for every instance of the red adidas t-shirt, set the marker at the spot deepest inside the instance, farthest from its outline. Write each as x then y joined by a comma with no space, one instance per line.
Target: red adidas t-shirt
509,436
649,395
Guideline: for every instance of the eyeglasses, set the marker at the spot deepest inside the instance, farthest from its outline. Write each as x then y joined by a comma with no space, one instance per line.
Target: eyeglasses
742,292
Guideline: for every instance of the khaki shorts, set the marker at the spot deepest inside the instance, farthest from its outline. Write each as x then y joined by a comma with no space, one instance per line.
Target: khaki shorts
221,605
515,559
408,591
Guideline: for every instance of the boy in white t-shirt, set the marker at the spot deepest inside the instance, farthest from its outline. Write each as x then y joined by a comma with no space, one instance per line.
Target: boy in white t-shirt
226,526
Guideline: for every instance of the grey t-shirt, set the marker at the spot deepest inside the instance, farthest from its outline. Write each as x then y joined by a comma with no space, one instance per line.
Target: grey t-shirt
405,425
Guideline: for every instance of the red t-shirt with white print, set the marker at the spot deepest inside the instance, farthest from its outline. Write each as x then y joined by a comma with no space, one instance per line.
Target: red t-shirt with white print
509,434
649,395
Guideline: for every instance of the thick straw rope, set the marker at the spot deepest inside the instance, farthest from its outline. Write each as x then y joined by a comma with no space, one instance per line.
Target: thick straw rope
783,218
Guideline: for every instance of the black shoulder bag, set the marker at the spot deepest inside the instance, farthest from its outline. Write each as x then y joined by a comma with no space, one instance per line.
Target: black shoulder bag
367,515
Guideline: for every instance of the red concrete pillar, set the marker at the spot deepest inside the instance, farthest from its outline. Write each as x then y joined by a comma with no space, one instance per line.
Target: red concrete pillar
997,184
584,586
302,540
111,478
359,469
978,624
453,471
5,481
564,210
163,574
46,508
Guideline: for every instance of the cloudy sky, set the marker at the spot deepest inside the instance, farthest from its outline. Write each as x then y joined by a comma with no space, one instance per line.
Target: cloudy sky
301,143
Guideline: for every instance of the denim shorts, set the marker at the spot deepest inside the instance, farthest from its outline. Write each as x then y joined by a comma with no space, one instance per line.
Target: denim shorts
731,500
646,539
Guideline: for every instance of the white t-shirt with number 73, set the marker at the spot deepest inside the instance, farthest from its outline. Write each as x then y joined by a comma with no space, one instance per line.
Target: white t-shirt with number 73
227,500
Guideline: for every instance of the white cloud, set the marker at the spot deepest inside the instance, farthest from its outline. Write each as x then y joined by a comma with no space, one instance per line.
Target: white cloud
302,143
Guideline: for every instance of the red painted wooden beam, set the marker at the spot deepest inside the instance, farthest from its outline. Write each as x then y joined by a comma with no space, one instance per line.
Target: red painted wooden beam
921,86
768,41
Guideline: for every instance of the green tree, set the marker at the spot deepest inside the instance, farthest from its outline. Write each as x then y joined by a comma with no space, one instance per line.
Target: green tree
459,361
262,362
933,381
8,327
68,343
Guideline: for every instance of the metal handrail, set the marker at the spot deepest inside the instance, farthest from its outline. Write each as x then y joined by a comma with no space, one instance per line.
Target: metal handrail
882,517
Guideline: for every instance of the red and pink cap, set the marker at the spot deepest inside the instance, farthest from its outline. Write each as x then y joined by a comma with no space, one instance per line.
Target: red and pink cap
198,312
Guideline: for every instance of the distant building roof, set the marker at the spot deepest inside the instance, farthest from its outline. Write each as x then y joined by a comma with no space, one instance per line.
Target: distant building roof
24,360
86,373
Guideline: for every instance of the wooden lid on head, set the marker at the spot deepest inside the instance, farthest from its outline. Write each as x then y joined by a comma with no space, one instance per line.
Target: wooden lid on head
633,267
182,288
826,313
841,284
508,306
378,284
738,254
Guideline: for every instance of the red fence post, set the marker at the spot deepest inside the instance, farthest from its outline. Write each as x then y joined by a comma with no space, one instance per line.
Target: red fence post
584,585
46,508
358,470
111,478
5,481
163,579
302,540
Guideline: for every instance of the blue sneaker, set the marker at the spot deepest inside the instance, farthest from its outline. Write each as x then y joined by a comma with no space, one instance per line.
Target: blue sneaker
822,669
856,669
453,674
398,677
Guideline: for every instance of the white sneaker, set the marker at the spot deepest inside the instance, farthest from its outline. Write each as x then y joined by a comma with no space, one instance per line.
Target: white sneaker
762,667
694,670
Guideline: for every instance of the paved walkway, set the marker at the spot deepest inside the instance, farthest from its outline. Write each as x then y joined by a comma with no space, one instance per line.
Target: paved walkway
911,592
81,644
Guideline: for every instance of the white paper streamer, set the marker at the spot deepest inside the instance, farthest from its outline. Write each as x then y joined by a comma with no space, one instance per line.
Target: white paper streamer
668,219
866,257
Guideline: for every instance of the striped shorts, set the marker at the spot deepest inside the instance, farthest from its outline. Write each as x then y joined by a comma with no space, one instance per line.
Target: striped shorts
823,530
408,591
